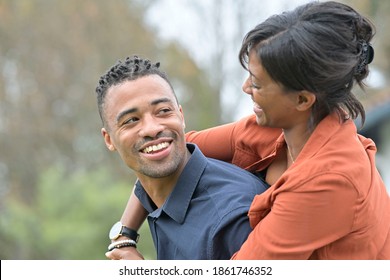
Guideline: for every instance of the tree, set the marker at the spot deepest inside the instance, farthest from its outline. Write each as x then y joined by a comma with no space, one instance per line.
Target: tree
52,54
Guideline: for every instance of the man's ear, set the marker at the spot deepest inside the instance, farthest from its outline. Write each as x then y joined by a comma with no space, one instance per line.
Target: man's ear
305,100
182,116
107,140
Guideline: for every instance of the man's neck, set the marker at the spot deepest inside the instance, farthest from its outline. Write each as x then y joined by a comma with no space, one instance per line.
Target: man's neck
159,189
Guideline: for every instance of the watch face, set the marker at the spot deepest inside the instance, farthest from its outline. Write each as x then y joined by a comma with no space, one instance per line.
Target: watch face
115,231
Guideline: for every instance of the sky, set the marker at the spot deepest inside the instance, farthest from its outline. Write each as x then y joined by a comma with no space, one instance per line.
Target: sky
192,23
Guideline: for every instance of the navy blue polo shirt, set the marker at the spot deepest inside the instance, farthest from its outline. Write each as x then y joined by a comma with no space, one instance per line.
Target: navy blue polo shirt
205,216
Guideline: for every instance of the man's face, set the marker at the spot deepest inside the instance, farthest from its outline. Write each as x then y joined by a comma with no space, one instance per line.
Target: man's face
146,126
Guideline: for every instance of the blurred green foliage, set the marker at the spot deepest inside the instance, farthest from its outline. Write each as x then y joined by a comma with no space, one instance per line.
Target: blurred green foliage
60,190
70,220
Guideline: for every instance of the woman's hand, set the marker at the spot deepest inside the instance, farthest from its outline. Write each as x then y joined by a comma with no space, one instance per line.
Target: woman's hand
124,253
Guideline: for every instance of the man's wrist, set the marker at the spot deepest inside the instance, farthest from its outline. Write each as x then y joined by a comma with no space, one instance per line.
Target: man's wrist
122,237
122,243
118,230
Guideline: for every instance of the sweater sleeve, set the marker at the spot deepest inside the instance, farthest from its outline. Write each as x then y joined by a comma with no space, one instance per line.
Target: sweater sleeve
217,142
242,143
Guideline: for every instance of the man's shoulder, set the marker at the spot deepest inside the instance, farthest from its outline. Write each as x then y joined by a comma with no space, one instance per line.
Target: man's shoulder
216,165
229,176
220,174
227,191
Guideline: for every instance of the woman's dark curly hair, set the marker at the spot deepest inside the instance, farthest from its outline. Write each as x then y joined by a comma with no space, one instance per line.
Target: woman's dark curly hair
321,47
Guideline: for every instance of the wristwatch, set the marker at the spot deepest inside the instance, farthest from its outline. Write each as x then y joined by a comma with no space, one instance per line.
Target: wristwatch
118,230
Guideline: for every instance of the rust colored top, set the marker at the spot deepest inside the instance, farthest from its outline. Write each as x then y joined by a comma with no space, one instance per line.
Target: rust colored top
330,204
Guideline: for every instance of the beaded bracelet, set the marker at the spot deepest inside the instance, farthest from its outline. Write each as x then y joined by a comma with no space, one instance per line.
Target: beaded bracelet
122,243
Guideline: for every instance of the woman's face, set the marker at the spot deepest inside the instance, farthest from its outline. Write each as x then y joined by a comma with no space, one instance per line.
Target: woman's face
273,106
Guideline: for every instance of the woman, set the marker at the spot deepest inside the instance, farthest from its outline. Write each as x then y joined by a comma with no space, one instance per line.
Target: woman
326,199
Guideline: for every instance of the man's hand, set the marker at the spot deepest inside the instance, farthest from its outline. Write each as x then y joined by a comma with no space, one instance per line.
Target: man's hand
124,253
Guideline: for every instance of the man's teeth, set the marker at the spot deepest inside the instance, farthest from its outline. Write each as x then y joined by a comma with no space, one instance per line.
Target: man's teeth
155,148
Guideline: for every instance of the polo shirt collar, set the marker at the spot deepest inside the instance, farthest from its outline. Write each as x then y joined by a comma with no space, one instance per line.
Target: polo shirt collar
177,203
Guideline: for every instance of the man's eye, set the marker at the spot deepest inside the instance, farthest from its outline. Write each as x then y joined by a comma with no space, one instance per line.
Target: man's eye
165,110
130,120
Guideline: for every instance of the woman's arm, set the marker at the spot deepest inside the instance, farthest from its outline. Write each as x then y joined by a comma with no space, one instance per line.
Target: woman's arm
216,142
135,214
243,143
133,217
221,143
209,141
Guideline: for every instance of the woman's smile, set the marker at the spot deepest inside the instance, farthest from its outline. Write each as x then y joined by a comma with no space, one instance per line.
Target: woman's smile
257,109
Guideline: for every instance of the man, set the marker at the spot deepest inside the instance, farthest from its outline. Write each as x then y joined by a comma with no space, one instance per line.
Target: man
197,207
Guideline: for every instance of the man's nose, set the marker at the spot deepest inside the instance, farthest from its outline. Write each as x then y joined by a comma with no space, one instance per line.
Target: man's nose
150,127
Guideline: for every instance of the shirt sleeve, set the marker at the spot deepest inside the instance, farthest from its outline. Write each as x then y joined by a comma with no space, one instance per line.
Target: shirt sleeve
301,220
229,234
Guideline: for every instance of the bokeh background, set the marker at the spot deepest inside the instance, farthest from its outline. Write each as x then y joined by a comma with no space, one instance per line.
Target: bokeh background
60,189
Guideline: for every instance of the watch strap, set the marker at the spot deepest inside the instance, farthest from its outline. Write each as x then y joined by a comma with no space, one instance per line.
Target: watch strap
130,233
